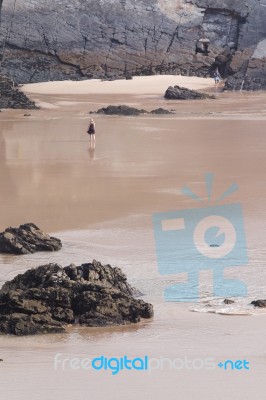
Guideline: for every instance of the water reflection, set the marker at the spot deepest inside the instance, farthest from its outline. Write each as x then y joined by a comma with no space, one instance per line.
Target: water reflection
91,150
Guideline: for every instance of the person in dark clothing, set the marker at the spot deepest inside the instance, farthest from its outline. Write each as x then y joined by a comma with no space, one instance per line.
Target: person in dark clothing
91,130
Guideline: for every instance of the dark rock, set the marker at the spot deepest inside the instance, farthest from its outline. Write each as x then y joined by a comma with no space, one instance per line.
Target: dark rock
10,97
228,301
180,93
28,238
120,110
161,111
239,82
129,111
48,298
259,303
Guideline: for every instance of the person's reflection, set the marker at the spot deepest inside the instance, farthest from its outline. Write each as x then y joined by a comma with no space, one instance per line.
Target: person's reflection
92,150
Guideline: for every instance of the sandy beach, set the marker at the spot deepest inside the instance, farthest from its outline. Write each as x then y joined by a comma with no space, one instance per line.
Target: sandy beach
99,199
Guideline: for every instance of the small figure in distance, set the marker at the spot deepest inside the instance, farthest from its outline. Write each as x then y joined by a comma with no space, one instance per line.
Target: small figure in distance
216,76
91,130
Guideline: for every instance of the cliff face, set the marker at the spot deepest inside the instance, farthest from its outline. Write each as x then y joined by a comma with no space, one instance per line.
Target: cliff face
72,39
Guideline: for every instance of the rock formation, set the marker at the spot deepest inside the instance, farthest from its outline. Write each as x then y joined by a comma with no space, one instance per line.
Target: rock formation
120,110
180,93
11,97
48,298
228,301
75,39
129,111
28,238
259,303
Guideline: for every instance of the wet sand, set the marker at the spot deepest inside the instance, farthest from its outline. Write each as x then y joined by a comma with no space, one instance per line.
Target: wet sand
100,202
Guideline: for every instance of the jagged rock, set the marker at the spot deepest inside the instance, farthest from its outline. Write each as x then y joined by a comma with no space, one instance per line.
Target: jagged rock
10,97
180,93
120,110
48,298
240,81
28,238
259,303
73,39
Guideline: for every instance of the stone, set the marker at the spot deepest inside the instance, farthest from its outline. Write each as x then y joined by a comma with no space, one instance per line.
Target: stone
259,303
161,111
228,301
180,93
28,238
49,298
120,110
129,111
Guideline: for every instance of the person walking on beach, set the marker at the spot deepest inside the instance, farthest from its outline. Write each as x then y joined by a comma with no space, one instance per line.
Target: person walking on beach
217,77
91,130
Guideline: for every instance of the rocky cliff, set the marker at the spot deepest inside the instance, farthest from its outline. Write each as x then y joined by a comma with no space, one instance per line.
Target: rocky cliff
75,39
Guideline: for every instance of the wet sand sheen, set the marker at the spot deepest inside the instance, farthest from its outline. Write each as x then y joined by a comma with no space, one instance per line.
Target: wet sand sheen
102,200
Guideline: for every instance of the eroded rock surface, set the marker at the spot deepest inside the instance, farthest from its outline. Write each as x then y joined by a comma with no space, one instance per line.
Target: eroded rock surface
28,238
49,298
76,39
180,93
11,97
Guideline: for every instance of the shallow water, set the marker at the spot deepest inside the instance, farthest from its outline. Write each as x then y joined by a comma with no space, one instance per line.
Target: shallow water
100,202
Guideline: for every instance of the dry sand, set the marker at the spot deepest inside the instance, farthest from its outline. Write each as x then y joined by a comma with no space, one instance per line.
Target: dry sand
138,85
100,199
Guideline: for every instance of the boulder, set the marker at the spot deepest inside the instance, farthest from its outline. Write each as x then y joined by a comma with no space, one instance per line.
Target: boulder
180,93
259,303
129,111
28,238
49,298
120,110
228,301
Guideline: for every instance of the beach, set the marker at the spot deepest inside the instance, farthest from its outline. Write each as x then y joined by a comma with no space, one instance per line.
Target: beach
100,200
